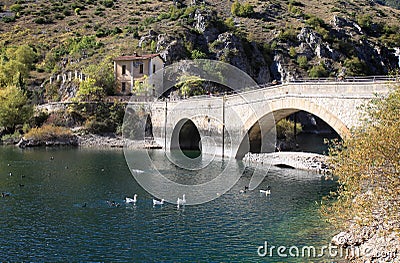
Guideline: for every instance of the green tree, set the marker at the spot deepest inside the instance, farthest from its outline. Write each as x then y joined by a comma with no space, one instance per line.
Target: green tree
189,84
15,64
318,71
14,108
88,91
141,87
197,54
302,61
103,74
356,67
367,166
292,52
235,8
25,55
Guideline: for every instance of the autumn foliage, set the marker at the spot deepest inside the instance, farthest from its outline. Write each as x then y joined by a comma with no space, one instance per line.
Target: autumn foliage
368,169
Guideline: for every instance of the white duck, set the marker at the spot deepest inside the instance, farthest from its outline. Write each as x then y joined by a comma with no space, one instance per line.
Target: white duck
180,202
129,200
158,202
266,192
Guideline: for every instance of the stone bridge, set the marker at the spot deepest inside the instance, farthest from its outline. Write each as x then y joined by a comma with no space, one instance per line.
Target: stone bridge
223,125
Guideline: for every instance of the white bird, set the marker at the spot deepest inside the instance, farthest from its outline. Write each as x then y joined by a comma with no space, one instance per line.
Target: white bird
266,192
180,202
129,200
158,202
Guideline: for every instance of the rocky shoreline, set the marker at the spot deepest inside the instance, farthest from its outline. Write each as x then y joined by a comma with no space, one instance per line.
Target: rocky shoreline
91,140
368,244
85,141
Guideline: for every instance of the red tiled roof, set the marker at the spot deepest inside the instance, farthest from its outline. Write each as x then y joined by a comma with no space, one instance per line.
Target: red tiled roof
135,57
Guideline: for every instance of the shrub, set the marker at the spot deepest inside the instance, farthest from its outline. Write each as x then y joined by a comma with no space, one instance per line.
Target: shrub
367,168
11,138
288,34
245,10
162,16
8,19
39,118
292,52
355,67
108,3
315,22
48,132
229,23
365,22
43,20
197,54
100,126
302,61
77,11
16,8
149,20
59,16
66,12
318,71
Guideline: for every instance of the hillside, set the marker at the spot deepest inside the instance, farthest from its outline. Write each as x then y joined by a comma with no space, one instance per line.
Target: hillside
270,40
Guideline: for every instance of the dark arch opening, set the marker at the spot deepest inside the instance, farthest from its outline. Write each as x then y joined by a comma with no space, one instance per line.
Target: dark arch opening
310,139
186,138
148,129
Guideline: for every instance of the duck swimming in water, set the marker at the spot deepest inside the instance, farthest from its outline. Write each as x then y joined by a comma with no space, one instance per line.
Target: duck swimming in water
5,194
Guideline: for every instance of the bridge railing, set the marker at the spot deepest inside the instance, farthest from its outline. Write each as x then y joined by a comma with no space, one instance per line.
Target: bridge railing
348,79
337,80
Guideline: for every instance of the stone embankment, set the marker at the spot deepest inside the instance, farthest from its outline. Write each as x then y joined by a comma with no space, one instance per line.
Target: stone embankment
89,140
297,160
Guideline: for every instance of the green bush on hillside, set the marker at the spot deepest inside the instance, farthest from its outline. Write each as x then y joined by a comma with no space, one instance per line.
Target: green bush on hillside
355,67
318,71
242,10
302,62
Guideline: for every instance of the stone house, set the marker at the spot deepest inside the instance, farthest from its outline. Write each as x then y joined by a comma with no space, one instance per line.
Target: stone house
128,69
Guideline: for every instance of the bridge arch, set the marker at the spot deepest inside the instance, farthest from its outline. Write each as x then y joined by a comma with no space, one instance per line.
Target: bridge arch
186,138
282,108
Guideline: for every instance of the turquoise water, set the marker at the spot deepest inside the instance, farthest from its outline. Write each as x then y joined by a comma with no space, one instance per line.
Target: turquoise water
45,220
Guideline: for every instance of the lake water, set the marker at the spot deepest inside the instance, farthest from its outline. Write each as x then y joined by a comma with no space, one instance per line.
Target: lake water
44,220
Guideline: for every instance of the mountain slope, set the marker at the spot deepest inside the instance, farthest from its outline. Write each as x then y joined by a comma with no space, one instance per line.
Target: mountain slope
268,39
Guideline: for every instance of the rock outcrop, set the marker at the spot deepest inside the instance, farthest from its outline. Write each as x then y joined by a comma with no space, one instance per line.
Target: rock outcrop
244,55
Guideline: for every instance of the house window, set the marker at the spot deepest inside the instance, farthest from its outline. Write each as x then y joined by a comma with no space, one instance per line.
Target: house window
123,86
141,68
123,69
154,68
